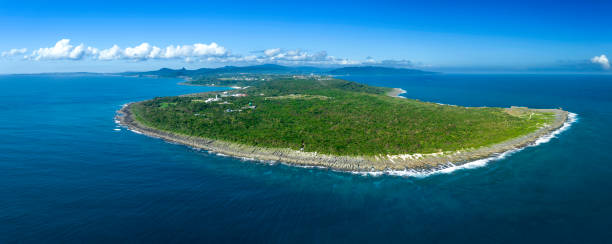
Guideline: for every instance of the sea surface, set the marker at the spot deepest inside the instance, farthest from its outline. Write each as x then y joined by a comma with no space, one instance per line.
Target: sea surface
69,173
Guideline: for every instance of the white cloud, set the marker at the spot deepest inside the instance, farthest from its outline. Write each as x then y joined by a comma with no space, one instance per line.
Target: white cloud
141,51
296,56
146,51
213,49
177,51
198,52
300,57
272,51
601,60
63,50
155,52
14,51
110,54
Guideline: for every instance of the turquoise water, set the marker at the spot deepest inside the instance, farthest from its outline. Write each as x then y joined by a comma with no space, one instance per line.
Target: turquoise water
69,174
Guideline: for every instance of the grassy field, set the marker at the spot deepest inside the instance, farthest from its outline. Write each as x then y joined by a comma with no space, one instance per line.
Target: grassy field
335,117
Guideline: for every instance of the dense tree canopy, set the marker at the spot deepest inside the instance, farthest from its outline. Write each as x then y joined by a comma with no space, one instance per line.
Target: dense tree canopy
333,117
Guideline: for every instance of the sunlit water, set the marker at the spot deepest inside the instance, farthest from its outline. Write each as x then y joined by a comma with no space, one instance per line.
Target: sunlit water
68,173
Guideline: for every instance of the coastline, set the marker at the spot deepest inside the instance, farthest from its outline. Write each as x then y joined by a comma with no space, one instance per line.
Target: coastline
396,92
355,164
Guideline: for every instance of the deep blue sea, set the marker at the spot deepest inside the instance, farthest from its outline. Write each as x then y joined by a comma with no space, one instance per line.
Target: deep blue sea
68,173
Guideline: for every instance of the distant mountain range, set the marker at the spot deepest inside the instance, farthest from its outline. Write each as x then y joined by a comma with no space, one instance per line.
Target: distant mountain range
279,69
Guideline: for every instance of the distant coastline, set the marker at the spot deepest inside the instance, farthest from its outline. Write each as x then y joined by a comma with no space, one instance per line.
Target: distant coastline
279,70
346,163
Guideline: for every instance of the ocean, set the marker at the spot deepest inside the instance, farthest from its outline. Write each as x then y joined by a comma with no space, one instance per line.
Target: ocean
69,173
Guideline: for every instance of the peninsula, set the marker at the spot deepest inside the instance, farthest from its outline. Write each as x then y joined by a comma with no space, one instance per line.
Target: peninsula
338,124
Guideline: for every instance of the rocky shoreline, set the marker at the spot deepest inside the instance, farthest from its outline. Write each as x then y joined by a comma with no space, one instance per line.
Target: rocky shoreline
346,163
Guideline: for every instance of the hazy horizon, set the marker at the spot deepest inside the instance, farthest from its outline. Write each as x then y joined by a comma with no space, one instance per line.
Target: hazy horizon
509,36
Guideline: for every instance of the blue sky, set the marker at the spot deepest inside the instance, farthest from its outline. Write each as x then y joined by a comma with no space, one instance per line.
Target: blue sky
455,36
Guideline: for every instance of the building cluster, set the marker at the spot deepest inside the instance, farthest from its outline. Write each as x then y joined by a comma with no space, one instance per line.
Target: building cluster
218,98
242,78
312,76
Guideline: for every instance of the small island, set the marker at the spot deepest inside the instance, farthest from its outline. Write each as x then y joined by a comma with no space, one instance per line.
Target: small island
338,124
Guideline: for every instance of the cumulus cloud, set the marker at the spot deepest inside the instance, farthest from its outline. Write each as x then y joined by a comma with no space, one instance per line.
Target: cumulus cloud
142,51
198,52
63,50
110,54
147,51
212,49
601,60
14,52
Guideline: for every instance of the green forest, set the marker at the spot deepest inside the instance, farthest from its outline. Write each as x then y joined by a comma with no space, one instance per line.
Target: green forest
333,116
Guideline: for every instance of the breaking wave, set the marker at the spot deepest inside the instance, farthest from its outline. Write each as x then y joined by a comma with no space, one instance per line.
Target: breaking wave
442,169
450,167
